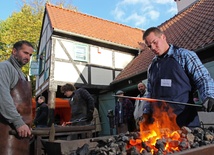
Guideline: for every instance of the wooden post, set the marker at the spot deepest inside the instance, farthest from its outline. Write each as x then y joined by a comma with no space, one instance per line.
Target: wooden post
51,105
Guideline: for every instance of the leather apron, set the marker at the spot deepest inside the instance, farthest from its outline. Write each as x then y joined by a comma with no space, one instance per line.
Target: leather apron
22,97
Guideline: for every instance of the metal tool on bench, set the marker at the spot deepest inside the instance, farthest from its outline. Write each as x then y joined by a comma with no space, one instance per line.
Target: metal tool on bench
83,119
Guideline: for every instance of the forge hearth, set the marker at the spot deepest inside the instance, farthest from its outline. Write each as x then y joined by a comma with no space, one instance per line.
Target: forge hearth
183,142
64,147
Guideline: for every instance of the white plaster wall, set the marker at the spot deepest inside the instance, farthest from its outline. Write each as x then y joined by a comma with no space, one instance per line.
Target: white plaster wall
182,4
84,71
101,56
59,52
122,59
101,76
117,73
67,72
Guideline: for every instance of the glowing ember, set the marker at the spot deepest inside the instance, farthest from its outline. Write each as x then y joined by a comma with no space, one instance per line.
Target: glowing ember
161,134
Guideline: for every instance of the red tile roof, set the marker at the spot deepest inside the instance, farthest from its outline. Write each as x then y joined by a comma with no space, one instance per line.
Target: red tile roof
93,27
193,28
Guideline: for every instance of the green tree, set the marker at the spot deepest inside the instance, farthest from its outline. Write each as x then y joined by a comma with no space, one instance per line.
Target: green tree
25,25
4,52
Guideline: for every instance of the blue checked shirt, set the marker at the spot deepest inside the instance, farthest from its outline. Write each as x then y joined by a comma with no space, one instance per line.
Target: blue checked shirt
194,68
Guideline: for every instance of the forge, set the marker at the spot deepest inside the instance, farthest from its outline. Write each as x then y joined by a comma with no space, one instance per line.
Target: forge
118,144
162,137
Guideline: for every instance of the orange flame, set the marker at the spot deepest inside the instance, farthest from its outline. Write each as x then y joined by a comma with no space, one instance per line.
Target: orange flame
164,126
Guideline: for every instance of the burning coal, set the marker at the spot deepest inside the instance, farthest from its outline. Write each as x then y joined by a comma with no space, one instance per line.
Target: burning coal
165,143
161,136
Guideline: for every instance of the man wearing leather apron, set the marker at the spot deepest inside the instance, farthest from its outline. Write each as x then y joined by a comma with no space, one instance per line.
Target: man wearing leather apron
15,101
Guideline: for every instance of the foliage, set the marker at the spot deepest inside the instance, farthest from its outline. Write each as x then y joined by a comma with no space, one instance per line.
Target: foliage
4,52
24,25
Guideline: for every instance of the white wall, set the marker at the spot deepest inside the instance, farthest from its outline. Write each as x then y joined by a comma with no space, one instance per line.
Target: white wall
102,60
182,4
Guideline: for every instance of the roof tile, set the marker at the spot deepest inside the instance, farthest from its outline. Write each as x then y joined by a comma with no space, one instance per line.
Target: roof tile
90,26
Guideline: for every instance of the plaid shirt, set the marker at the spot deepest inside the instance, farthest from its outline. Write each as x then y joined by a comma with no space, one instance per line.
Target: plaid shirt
199,75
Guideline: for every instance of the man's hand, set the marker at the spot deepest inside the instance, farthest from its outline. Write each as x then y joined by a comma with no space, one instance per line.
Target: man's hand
24,131
209,104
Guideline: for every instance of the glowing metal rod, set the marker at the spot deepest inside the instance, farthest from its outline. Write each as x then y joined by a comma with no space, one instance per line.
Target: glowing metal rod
158,100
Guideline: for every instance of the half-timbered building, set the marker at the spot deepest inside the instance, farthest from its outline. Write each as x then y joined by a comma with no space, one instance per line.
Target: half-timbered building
104,56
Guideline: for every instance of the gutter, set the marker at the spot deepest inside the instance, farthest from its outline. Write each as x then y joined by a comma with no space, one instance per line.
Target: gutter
205,47
95,39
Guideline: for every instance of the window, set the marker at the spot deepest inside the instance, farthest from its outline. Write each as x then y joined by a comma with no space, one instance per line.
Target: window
81,52
41,62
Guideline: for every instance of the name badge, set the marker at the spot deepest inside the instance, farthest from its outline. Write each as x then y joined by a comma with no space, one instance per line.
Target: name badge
166,82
